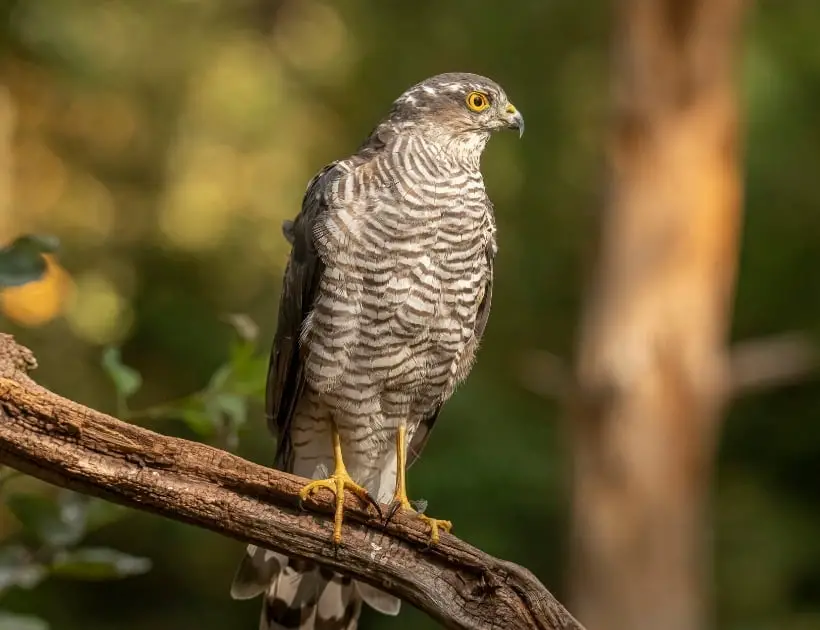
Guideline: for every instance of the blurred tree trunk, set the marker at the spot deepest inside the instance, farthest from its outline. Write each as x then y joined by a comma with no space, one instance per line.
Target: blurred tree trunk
652,358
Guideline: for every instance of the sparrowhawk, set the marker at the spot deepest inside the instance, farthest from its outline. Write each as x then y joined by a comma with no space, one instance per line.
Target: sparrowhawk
385,298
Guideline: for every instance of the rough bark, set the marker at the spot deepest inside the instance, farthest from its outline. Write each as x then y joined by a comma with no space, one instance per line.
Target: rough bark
652,363
67,444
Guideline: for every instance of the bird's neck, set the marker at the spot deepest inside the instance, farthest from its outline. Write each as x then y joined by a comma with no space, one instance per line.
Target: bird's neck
460,149
464,149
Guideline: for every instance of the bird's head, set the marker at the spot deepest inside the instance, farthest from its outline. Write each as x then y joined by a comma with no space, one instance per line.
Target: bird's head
456,106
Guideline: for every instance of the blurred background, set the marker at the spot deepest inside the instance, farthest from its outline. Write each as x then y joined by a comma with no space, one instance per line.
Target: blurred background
164,141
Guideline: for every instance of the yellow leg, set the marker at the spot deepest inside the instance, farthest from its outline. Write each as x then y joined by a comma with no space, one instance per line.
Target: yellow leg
400,497
337,483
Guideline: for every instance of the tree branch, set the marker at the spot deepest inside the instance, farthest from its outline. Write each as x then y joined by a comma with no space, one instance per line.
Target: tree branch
754,365
778,360
64,443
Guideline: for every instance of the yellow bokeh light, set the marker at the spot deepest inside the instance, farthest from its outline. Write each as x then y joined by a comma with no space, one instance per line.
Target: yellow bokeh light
98,313
273,182
31,85
329,56
41,177
37,303
238,92
200,201
86,208
106,122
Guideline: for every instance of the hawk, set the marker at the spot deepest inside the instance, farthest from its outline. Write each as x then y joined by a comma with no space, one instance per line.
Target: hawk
384,301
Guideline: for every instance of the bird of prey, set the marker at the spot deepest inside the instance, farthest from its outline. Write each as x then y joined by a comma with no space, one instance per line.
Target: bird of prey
385,299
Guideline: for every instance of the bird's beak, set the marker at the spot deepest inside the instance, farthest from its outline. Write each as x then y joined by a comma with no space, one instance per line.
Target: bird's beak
514,119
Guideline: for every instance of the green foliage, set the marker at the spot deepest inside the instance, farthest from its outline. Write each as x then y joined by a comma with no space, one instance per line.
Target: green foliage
127,381
22,261
52,527
215,413
49,543
47,522
93,563
10,621
19,568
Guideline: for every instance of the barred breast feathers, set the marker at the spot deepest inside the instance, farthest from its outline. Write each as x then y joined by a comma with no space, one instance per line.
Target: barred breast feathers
404,244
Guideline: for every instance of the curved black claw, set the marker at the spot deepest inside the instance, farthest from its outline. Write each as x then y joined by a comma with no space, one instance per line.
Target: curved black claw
416,507
371,501
392,509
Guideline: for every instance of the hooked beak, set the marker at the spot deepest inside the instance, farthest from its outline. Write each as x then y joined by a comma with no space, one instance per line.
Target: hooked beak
514,119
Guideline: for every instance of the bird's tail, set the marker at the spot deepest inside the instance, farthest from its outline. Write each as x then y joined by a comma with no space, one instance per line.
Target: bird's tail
300,595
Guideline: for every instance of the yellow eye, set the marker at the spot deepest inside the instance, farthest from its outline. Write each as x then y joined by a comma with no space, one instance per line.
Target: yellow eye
477,101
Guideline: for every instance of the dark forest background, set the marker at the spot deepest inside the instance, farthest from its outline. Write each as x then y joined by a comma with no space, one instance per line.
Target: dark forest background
164,141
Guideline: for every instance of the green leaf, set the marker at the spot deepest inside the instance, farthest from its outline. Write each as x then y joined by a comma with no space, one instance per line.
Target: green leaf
98,563
196,418
22,261
11,621
213,411
253,382
18,568
235,407
127,380
46,521
220,377
242,352
248,371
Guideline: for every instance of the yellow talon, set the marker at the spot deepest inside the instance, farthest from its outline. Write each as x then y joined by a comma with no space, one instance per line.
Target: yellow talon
400,497
337,483
435,525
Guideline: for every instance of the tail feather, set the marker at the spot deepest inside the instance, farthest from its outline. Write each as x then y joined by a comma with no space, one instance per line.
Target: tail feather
339,605
291,599
301,595
378,600
259,567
